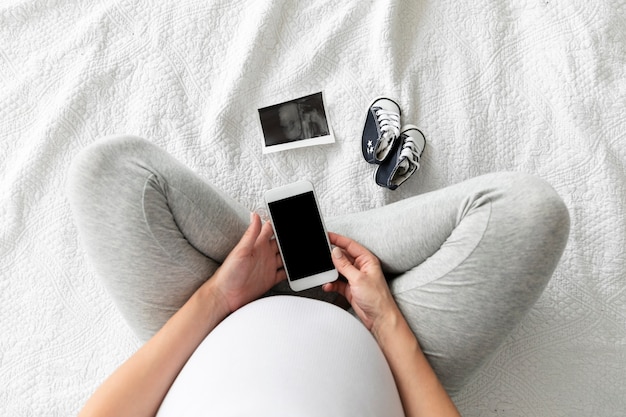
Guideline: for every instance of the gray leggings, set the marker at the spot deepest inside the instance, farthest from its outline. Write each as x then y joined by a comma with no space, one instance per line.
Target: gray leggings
464,263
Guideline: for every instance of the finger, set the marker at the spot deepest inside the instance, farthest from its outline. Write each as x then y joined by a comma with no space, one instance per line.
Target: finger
350,258
279,261
267,231
358,254
252,232
352,248
336,286
281,275
334,238
343,264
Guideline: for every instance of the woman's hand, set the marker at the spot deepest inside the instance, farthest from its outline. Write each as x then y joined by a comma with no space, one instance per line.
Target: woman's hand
366,290
252,267
138,387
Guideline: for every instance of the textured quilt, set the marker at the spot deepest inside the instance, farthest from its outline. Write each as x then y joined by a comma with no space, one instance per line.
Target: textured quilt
533,85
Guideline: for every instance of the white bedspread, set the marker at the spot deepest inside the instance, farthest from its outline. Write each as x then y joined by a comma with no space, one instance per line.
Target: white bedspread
531,85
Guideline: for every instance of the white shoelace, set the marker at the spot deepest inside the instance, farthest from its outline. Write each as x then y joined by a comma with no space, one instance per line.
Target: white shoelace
389,122
409,155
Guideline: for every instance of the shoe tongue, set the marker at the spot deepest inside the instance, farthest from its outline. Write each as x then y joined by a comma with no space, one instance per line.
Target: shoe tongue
403,166
386,104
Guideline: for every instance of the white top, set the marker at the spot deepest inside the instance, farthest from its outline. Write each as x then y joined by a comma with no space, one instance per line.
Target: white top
286,356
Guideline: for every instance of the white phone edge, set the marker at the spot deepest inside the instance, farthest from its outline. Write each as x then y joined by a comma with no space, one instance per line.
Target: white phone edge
285,191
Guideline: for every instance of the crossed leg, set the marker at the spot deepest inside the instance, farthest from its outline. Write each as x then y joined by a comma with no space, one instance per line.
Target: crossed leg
464,263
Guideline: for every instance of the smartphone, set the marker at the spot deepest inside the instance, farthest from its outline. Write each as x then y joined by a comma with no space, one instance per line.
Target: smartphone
301,235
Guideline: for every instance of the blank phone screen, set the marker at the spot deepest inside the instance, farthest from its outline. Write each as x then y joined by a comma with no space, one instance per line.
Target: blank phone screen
301,235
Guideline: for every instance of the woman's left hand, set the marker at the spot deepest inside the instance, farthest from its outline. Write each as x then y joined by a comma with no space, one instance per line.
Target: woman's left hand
252,267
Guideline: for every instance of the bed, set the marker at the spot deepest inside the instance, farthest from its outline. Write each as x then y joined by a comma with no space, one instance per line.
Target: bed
536,86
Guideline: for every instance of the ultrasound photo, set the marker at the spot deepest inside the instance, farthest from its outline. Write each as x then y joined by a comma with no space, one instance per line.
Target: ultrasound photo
296,123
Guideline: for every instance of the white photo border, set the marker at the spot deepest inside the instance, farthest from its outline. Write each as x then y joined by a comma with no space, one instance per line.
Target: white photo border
296,123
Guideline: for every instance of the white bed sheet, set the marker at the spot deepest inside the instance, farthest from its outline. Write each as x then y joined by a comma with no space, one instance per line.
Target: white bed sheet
535,85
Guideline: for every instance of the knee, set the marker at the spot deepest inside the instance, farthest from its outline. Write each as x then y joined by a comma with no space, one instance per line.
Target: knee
100,160
536,196
104,155
536,205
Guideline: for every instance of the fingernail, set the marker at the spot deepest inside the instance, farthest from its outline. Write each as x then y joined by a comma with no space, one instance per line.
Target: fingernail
337,252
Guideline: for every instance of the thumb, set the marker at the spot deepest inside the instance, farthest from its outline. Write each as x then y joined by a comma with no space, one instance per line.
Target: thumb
343,264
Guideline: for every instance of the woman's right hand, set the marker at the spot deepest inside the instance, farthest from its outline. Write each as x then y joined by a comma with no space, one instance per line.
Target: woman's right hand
366,290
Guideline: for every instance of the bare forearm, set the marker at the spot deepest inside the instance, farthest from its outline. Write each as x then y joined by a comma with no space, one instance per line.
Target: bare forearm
420,390
138,387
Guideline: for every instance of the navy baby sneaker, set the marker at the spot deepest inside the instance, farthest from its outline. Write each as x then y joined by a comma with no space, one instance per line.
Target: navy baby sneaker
405,159
381,130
